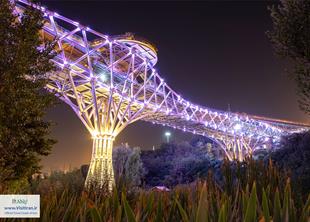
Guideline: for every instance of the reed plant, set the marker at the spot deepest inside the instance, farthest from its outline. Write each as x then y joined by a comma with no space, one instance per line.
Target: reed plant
250,191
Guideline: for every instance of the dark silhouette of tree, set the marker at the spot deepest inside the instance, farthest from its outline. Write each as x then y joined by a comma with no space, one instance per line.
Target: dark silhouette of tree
24,63
294,156
291,39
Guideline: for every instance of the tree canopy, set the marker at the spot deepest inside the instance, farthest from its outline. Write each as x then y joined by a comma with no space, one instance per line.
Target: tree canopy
291,39
24,63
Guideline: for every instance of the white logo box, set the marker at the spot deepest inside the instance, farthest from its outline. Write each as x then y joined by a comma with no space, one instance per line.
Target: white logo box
19,206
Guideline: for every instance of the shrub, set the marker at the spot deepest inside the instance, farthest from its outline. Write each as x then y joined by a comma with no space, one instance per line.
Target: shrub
58,181
293,155
128,167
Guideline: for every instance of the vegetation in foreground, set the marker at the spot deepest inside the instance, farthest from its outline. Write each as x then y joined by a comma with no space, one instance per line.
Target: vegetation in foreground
253,191
273,188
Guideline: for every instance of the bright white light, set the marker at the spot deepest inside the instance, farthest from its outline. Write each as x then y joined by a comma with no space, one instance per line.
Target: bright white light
103,77
167,133
237,126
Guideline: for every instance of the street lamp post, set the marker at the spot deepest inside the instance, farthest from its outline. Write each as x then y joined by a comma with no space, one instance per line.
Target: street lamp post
167,134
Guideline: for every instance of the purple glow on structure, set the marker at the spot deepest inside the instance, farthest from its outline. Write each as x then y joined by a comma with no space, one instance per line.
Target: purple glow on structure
159,98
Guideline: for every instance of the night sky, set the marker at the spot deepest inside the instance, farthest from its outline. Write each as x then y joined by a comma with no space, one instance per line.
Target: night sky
212,53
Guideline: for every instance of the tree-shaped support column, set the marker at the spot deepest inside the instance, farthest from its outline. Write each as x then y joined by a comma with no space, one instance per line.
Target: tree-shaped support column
236,148
113,115
100,173
105,118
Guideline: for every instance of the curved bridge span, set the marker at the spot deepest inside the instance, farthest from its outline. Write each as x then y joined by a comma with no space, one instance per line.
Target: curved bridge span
110,82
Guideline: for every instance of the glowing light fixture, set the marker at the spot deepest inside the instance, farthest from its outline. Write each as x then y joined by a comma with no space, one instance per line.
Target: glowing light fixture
103,76
167,135
237,127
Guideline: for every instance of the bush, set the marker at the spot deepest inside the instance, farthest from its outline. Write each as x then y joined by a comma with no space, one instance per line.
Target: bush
294,155
180,163
128,167
58,181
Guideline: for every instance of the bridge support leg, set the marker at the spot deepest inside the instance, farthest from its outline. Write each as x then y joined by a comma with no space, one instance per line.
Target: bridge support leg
100,173
236,148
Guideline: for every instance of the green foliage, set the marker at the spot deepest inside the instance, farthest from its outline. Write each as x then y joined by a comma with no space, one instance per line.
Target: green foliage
24,62
58,181
265,207
128,211
250,214
179,163
128,167
290,37
200,201
202,208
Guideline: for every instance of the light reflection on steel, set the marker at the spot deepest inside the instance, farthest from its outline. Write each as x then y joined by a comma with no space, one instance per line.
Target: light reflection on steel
111,82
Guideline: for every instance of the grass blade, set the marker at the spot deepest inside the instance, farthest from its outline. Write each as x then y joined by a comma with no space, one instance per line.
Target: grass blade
250,214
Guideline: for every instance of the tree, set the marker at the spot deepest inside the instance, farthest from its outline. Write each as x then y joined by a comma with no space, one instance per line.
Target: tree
24,62
179,163
294,155
291,39
128,167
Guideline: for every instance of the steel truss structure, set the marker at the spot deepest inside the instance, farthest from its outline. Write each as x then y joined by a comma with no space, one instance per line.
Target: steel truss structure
110,82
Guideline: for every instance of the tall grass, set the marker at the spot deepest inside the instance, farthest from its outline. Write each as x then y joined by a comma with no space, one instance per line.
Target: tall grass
250,192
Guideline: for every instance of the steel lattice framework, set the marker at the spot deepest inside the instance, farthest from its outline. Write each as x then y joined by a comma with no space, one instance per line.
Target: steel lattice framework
111,82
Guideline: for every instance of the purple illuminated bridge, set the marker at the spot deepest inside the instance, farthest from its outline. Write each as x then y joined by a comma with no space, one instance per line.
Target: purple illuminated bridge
110,82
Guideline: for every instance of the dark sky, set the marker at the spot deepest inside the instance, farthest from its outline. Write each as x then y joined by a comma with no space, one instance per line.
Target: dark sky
212,53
